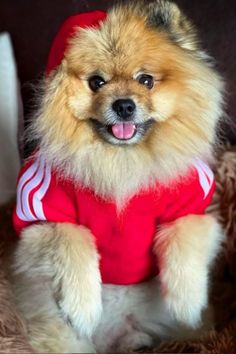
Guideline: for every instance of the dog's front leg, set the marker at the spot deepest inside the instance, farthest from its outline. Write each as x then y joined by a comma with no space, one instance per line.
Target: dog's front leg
67,254
185,249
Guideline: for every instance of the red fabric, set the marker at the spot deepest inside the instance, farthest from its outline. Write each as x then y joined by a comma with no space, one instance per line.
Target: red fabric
124,240
67,31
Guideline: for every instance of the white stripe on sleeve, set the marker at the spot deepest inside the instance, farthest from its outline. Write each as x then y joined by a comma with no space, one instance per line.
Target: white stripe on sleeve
27,189
38,196
27,175
37,175
207,171
206,177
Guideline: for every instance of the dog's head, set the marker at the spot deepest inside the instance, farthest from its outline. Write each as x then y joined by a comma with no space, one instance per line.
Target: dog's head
138,90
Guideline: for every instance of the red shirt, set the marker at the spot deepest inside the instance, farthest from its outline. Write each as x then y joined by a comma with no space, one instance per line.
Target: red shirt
124,240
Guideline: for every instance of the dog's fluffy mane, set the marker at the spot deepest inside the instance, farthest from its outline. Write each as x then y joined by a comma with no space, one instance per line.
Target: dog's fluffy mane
120,171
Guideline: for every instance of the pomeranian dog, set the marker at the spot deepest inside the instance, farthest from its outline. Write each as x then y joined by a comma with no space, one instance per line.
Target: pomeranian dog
115,247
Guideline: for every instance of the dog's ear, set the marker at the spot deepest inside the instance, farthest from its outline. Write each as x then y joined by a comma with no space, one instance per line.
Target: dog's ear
166,16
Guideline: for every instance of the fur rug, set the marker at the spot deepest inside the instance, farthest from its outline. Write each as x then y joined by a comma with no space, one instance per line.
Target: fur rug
223,295
12,329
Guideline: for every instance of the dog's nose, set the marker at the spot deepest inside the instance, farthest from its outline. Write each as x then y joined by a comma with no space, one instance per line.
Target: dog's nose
124,108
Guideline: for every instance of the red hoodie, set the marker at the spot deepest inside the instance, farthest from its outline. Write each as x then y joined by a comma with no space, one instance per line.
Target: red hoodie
124,240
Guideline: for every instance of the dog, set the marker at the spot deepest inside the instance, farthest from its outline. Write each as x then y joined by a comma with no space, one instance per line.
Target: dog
115,247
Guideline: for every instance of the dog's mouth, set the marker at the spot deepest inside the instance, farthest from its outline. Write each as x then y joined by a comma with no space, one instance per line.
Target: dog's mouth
122,132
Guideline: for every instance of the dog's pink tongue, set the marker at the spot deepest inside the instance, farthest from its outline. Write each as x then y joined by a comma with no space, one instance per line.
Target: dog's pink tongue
123,130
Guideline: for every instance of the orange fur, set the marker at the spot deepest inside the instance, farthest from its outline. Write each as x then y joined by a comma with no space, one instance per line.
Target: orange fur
185,102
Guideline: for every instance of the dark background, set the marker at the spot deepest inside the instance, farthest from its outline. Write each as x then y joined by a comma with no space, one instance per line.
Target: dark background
33,24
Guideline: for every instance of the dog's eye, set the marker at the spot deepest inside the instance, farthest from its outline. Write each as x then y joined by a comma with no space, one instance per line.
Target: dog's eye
146,80
95,82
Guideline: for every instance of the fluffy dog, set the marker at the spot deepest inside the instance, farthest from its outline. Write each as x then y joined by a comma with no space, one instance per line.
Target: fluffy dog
115,248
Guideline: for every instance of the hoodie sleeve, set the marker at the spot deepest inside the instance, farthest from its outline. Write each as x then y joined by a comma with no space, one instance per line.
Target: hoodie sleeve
41,196
190,195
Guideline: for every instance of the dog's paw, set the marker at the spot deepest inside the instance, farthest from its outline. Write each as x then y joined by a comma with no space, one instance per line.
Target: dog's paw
187,298
77,284
188,248
83,307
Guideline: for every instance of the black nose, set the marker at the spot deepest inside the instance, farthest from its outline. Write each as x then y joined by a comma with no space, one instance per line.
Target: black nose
124,108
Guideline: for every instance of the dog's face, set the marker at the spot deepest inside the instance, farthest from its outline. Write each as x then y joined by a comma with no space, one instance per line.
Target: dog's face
138,86
127,78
